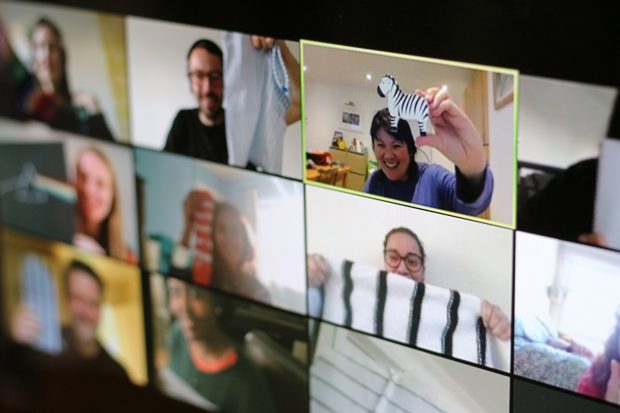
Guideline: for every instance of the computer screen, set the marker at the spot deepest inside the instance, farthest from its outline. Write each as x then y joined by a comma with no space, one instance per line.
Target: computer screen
205,215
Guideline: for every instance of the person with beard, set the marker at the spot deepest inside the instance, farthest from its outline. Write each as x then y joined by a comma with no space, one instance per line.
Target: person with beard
204,357
201,132
84,293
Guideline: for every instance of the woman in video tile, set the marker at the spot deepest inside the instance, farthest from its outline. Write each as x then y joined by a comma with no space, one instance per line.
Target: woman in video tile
467,191
98,211
42,91
404,255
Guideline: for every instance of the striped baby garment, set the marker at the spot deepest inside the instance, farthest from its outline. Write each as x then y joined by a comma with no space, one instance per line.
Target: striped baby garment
257,98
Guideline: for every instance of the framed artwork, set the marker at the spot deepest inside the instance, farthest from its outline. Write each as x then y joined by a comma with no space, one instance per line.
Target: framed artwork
503,89
351,119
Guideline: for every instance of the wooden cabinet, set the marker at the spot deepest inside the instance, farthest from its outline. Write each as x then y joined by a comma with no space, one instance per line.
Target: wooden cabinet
358,162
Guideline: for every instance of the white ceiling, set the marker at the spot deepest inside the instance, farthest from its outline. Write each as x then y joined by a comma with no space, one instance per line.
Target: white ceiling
330,65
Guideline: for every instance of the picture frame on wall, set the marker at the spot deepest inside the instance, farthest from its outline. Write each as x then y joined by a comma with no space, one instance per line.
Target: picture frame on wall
503,89
351,119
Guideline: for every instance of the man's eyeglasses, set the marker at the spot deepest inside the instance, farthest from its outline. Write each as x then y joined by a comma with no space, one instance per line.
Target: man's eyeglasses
413,261
198,77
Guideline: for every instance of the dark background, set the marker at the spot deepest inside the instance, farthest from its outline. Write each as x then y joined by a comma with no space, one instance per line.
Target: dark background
574,42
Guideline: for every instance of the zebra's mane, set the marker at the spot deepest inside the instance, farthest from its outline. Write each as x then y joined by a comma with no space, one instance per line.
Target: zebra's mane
394,81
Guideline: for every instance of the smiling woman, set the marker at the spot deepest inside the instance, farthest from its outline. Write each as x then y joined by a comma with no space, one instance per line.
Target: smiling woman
467,191
98,210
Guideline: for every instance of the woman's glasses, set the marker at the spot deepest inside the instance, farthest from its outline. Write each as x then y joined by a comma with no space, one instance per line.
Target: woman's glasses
413,261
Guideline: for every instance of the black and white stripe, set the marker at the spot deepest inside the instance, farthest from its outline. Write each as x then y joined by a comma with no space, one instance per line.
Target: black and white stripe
401,105
420,315
346,292
481,335
453,320
415,314
381,297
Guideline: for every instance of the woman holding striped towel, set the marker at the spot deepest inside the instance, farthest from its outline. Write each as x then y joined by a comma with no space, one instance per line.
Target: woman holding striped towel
404,255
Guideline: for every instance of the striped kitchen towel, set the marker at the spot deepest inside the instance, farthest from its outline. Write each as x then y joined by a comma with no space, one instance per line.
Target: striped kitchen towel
417,314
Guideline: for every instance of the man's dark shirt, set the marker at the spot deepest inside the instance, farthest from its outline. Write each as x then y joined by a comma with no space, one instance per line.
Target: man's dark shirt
188,136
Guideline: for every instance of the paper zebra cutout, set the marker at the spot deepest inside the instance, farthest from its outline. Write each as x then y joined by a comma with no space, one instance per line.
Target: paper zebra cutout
392,306
401,105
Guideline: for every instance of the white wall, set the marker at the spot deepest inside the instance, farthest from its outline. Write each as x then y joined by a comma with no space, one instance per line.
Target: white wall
562,122
536,262
501,157
462,254
324,103
606,212
87,65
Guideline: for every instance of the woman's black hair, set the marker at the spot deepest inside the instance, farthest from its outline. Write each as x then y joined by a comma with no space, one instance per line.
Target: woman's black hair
403,133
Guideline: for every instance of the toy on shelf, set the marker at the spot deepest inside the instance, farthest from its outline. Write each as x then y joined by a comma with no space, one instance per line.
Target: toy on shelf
338,140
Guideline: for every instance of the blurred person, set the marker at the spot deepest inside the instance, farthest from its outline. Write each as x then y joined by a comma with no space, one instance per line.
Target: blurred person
564,208
602,379
42,91
204,357
84,290
234,267
201,132
99,224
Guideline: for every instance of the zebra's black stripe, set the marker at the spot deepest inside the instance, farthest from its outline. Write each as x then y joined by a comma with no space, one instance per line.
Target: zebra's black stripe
409,103
421,128
481,331
381,296
453,320
416,313
418,100
399,95
346,292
